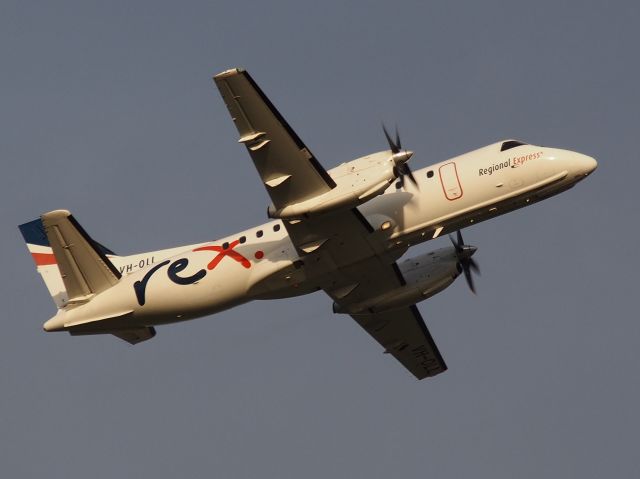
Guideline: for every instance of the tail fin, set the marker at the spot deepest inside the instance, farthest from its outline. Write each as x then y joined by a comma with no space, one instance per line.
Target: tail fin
40,249
73,266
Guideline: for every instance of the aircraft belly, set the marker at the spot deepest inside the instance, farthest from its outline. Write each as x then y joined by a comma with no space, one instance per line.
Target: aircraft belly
280,279
152,297
215,291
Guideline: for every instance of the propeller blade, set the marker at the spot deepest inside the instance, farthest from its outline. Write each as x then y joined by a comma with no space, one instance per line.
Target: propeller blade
398,144
395,148
407,171
398,174
465,261
474,266
456,245
403,171
469,278
412,178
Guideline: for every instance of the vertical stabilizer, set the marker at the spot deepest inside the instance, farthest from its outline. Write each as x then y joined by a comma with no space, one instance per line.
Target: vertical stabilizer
74,267
84,268
40,249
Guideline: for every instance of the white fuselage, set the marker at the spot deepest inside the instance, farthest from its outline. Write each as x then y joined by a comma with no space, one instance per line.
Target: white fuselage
260,263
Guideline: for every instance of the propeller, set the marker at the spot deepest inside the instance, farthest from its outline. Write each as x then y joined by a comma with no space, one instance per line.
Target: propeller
464,254
400,158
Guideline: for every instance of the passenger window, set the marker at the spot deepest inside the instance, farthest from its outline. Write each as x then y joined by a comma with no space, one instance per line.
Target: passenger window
430,174
259,233
243,239
225,245
276,227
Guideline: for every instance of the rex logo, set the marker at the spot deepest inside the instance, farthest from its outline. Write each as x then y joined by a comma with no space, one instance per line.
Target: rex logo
179,265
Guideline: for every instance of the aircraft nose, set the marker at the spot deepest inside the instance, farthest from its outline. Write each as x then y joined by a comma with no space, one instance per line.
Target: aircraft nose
580,166
590,164
583,164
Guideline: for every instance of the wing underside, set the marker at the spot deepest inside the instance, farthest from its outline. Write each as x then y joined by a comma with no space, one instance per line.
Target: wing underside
401,332
404,335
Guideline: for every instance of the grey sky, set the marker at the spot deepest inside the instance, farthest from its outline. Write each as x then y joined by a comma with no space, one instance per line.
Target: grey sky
108,110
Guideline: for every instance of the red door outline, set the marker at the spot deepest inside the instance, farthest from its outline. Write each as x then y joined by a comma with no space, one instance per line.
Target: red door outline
450,181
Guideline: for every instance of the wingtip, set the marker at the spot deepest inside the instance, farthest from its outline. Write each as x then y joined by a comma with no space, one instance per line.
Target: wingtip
229,73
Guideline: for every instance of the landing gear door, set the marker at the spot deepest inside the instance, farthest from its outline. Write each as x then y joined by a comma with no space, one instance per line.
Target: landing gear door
450,182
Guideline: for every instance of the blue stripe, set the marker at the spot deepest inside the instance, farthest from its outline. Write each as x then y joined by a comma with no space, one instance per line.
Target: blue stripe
33,233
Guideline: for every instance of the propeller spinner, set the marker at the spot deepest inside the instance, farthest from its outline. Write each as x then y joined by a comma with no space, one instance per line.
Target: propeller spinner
400,158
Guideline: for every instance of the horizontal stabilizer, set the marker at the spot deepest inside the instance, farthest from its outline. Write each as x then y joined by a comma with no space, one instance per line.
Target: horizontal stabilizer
135,336
132,336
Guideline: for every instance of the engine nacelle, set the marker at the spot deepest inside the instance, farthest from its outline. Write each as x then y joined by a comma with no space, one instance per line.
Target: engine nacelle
425,276
356,182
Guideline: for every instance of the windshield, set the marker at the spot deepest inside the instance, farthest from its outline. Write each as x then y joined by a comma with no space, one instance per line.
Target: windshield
507,145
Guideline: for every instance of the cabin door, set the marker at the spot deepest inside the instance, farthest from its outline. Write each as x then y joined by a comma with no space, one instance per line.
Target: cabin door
450,182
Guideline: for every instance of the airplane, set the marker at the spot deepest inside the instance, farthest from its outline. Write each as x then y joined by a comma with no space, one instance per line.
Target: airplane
342,231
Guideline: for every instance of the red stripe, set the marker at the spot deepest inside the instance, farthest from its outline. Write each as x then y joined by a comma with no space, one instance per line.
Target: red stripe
43,259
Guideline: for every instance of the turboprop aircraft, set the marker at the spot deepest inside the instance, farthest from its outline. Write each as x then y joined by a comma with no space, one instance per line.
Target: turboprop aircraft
342,231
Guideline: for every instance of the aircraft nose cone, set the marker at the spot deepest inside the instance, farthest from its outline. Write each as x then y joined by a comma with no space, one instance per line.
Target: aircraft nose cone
590,164
579,166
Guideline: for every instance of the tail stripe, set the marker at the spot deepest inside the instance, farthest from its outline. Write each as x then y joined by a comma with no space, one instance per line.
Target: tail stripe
73,266
46,264
44,259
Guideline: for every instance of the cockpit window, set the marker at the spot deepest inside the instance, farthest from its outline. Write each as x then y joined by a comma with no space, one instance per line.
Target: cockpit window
507,145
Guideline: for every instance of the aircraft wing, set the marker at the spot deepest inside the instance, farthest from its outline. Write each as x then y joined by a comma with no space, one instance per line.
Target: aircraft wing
401,332
292,174
287,168
346,255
